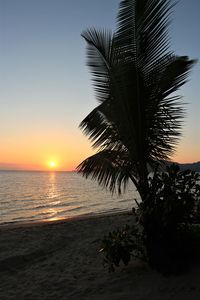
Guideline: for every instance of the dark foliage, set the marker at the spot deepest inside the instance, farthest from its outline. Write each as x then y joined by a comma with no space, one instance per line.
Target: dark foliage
167,237
172,205
173,198
121,245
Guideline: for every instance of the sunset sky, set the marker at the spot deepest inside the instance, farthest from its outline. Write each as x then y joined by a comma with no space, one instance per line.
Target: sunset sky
45,87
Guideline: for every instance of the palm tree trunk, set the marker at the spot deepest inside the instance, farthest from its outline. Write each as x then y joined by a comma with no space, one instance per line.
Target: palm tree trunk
143,181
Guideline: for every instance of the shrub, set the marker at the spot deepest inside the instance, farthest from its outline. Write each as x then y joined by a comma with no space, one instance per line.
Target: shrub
121,245
162,235
174,198
170,208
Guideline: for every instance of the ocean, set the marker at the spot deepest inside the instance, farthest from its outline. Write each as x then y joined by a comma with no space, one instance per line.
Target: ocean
31,196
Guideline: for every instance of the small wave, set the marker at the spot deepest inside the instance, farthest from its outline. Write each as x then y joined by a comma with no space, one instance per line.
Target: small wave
126,200
26,197
52,205
4,202
18,218
72,209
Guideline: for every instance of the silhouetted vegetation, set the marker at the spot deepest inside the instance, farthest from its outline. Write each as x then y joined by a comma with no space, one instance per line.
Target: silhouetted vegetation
165,234
136,125
121,245
171,207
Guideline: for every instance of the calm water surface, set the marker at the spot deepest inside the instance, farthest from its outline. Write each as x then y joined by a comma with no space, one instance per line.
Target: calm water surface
36,196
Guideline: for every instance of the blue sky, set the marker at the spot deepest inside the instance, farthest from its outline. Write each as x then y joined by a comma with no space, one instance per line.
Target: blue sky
45,88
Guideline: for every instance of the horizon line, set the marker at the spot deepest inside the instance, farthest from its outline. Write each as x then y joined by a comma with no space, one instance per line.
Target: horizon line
27,170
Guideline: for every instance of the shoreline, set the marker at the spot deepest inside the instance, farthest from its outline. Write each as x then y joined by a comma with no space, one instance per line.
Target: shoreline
25,224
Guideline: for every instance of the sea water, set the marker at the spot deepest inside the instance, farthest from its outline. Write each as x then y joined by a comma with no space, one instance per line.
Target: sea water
29,196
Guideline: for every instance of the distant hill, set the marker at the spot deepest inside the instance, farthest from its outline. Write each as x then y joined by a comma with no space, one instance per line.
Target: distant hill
192,166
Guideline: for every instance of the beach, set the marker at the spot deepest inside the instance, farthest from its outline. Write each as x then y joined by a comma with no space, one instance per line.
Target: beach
61,260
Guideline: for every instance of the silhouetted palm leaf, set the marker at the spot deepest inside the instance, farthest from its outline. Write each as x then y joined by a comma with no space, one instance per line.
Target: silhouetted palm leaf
137,123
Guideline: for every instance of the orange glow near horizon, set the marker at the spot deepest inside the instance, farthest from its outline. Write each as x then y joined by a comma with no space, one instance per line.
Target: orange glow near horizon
60,153
69,163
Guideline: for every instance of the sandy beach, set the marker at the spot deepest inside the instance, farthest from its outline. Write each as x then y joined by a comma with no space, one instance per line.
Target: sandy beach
60,260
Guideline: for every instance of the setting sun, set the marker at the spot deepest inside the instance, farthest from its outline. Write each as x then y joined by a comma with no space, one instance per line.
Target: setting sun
52,164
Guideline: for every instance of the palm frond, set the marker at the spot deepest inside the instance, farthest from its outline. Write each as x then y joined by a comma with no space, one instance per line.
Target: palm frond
143,29
99,54
101,131
165,113
111,169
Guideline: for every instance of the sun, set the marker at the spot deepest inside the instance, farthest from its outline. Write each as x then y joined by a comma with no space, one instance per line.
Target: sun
52,164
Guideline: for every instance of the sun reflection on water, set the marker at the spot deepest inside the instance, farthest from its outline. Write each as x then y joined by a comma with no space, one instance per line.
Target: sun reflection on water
52,195
52,190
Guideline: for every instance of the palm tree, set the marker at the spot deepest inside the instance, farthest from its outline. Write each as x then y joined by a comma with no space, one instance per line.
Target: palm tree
138,120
